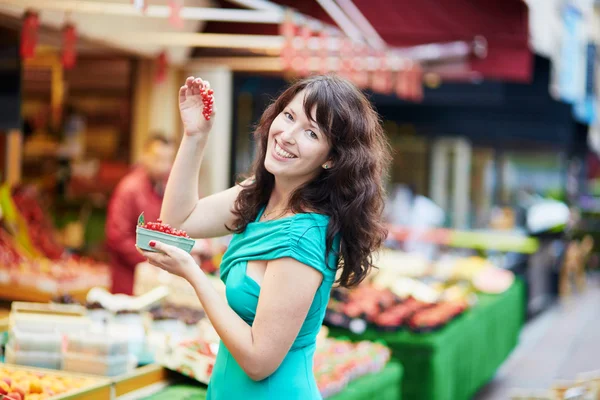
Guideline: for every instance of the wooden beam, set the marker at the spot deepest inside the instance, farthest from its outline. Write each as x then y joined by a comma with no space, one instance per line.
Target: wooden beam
258,5
112,44
342,20
152,11
455,72
214,40
238,64
363,24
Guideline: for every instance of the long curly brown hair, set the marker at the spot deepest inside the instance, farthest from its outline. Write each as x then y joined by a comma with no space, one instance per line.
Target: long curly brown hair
351,192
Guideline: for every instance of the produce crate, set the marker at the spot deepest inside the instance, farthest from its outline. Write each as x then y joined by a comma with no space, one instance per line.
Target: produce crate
98,388
140,379
193,359
145,379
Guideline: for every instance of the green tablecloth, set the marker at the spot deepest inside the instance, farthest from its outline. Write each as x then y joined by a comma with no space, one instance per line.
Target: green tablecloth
453,363
384,385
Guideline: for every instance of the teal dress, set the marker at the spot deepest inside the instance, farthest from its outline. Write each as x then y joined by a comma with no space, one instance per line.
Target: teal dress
302,237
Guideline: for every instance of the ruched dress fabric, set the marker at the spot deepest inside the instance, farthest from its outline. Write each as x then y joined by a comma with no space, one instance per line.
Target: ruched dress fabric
301,237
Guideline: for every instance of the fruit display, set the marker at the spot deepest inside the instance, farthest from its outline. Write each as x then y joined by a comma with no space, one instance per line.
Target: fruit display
382,309
9,255
394,318
158,226
187,315
193,358
32,263
25,384
436,316
146,233
338,362
39,227
45,275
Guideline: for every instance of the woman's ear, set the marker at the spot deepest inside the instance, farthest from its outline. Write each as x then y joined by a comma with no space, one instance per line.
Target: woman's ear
328,164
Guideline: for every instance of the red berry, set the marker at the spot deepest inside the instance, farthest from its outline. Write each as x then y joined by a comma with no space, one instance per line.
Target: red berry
210,91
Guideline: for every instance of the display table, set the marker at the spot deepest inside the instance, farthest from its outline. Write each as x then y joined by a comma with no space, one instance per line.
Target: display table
384,385
453,363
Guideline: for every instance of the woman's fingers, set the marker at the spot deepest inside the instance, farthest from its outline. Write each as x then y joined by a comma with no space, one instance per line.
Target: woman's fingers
182,95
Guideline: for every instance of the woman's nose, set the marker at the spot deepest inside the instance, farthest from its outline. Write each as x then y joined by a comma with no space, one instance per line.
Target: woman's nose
288,135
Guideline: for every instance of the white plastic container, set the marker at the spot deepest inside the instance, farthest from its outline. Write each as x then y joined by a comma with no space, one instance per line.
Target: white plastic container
94,365
98,344
39,359
21,340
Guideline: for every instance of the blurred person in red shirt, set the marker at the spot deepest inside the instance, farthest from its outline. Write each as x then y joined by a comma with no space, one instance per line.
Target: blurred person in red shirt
141,190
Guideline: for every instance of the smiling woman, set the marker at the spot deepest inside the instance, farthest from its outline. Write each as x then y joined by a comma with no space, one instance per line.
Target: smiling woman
312,206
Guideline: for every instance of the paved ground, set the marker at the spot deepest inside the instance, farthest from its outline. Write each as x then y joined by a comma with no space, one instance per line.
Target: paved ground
557,345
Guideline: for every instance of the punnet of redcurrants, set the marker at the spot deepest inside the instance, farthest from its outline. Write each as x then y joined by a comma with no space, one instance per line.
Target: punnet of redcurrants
207,100
164,228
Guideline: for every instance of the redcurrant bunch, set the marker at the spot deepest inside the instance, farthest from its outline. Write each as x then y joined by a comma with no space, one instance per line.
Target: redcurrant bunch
165,228
207,99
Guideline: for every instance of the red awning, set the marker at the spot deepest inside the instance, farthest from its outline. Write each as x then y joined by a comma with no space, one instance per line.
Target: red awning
401,23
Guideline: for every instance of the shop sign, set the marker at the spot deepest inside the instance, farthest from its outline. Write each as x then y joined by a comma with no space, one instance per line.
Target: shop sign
585,108
571,66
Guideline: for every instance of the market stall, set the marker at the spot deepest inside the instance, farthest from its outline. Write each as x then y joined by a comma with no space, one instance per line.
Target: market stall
384,385
110,335
455,361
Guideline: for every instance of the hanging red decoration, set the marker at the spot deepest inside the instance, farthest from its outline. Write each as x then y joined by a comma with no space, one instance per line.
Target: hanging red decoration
418,81
346,63
175,7
360,73
324,66
303,67
402,82
29,34
161,67
287,29
69,46
382,77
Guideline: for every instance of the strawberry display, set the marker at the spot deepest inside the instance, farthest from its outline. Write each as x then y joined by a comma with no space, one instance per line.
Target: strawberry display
397,316
207,100
435,317
384,311
338,362
164,228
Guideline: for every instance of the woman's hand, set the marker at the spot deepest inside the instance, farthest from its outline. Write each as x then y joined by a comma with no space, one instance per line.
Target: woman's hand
171,259
191,107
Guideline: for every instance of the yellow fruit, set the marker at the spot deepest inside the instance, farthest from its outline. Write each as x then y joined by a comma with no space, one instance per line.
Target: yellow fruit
58,387
35,386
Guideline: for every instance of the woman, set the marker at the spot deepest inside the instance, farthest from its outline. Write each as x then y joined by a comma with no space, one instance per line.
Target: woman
312,207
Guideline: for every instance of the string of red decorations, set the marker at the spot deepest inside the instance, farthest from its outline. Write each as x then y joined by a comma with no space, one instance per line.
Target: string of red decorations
307,49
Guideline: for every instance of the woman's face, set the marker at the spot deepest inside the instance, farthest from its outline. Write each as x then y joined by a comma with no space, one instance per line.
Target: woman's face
296,148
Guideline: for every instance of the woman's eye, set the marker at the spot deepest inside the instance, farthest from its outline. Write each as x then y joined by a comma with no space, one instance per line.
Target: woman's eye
288,116
312,134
